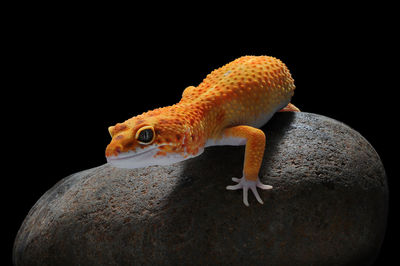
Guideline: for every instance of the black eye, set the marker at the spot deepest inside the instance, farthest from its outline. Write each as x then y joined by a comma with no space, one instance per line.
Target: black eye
145,136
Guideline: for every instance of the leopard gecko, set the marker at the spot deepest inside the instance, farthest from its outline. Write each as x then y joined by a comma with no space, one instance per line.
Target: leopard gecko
226,108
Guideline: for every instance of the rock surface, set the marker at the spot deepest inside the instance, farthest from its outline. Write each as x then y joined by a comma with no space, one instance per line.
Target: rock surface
328,207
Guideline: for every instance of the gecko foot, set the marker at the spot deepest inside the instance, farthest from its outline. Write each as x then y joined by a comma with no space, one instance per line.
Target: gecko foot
245,184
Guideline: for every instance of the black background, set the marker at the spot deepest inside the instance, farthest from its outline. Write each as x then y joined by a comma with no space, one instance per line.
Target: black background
71,79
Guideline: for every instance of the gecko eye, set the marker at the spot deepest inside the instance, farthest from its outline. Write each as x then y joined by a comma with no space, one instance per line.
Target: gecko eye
145,135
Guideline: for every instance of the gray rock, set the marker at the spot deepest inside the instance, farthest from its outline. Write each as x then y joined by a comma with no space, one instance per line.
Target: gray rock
328,207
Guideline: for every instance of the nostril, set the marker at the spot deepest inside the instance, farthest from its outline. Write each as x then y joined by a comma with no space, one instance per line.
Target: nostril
118,149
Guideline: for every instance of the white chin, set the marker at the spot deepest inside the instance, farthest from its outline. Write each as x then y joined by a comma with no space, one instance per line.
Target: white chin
133,160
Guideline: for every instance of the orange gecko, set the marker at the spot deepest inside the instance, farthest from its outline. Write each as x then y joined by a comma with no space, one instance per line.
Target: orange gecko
227,108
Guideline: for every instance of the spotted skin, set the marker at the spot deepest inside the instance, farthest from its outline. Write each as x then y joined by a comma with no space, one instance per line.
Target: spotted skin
226,108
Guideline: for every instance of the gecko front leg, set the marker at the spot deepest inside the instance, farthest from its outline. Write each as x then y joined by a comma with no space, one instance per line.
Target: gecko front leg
255,145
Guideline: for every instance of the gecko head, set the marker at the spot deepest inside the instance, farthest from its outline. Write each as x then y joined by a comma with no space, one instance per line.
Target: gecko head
141,141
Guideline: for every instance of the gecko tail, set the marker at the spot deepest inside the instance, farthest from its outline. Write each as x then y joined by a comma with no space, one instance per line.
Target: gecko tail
290,108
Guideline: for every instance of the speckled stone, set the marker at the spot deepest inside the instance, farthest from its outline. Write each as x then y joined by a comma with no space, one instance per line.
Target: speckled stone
328,207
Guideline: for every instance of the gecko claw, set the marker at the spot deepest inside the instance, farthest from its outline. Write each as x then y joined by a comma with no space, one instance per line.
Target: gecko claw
245,184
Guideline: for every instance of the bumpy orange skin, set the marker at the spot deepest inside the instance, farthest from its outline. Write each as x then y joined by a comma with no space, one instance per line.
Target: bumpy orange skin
226,104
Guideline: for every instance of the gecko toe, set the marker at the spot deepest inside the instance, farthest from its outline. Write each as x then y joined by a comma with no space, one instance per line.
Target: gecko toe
245,196
263,186
255,192
234,187
235,179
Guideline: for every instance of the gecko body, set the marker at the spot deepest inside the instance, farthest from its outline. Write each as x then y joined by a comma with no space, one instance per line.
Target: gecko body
226,108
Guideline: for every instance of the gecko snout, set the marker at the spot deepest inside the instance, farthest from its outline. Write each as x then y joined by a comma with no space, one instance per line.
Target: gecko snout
113,149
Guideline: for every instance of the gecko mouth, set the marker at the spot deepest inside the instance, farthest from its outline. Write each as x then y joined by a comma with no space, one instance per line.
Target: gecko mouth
132,159
145,158
129,155
148,157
